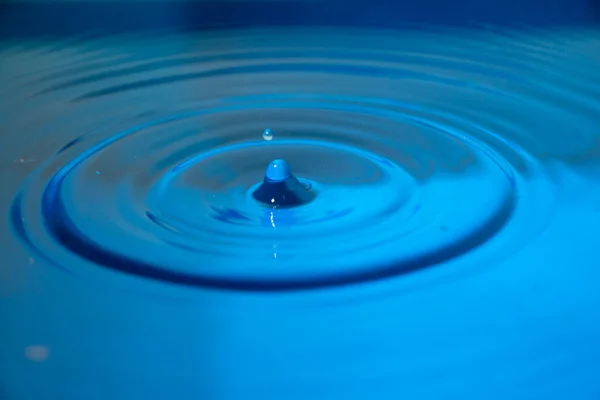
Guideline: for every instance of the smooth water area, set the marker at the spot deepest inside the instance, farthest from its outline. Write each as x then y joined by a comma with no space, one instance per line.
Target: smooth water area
443,244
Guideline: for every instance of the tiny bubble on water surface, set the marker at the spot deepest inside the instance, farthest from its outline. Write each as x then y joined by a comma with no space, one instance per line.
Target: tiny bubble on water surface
37,353
267,134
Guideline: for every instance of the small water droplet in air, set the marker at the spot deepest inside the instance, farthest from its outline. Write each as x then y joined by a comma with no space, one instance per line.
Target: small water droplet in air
268,134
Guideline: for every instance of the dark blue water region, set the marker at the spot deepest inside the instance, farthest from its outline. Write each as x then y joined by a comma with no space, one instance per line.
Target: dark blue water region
23,19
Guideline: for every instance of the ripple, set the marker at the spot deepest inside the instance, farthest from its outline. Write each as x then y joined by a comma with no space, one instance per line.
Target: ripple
422,149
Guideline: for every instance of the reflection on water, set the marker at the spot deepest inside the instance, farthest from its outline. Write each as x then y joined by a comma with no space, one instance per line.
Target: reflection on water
449,249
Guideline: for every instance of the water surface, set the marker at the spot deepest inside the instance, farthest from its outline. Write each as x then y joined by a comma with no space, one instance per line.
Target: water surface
450,250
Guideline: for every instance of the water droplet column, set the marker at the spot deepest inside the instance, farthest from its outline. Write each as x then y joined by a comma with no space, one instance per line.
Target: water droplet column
281,189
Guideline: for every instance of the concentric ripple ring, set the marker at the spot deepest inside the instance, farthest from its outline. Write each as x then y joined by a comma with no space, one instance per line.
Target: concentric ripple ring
186,225
407,174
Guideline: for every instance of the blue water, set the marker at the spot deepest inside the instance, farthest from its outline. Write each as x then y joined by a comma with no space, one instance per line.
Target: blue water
450,249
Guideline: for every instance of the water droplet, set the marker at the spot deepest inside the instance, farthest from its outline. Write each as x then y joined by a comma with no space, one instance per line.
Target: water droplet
268,134
278,171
